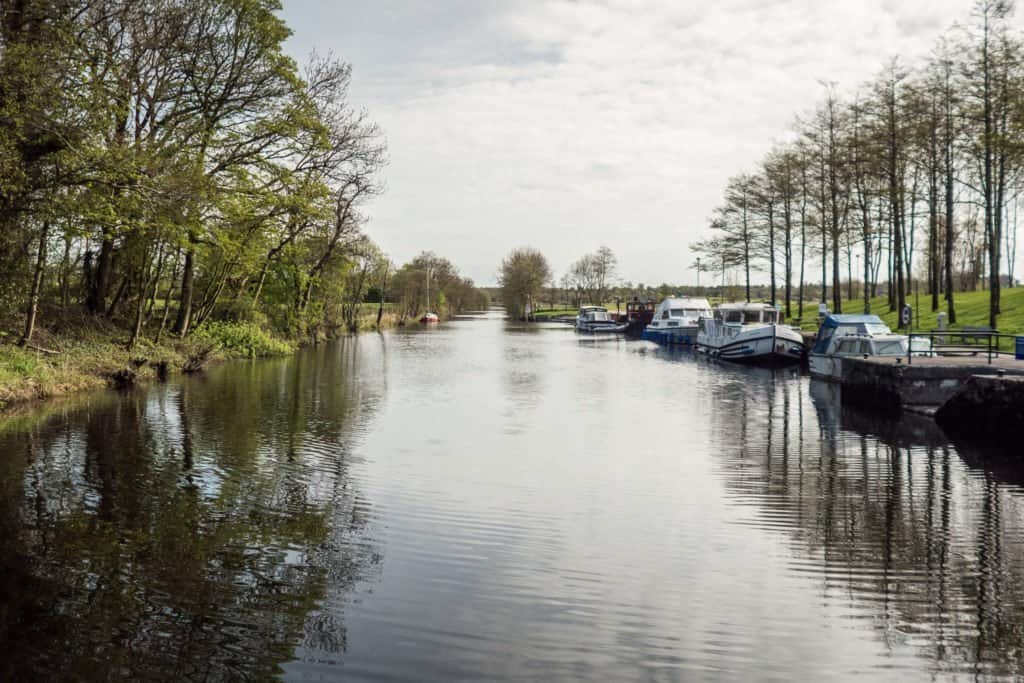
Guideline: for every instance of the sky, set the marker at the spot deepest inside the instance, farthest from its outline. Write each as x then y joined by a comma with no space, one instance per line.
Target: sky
564,125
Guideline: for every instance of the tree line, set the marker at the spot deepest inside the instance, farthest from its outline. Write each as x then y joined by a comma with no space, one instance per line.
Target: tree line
911,179
166,163
526,280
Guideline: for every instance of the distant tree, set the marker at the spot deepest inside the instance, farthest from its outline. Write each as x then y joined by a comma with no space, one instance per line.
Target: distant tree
524,274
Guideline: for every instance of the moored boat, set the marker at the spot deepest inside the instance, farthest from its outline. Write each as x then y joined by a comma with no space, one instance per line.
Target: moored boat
430,318
749,333
855,336
639,314
597,319
676,321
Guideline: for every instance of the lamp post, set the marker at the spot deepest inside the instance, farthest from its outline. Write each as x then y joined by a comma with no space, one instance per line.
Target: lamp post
856,259
698,275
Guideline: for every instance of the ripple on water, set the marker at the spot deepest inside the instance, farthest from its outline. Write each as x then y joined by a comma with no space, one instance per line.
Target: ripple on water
493,501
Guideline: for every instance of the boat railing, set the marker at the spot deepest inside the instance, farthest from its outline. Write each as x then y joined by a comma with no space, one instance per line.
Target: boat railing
967,342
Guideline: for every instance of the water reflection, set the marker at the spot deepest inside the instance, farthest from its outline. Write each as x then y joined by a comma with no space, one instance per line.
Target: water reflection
489,501
885,514
193,528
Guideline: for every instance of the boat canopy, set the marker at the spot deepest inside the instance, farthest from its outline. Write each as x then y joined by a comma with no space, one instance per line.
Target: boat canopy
683,307
847,324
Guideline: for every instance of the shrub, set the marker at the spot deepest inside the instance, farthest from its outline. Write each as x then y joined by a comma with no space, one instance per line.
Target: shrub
242,340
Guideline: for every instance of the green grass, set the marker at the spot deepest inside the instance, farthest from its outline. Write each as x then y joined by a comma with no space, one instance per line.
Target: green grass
242,340
971,310
554,313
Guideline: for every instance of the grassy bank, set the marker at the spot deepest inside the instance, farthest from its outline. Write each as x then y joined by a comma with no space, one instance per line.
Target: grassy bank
91,354
971,311
94,355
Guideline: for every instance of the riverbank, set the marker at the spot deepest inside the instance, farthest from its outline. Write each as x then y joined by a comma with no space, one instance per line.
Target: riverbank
91,354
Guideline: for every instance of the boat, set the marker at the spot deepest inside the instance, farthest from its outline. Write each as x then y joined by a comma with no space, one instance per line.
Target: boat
429,318
639,314
597,319
676,321
844,336
749,333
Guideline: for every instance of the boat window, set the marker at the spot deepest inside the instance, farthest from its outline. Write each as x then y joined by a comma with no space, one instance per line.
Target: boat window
734,316
877,328
678,312
751,316
664,314
846,347
769,316
718,316
693,312
890,348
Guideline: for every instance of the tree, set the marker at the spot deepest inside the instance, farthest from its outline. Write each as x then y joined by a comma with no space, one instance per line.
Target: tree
522,277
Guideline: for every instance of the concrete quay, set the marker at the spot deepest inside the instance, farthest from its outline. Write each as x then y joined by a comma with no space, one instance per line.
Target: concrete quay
893,385
986,408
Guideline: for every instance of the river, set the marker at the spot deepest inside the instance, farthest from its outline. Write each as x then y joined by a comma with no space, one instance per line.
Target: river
489,501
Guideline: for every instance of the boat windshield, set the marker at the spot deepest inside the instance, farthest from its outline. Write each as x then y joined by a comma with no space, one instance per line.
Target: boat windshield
877,328
893,347
686,313
770,316
751,316
599,315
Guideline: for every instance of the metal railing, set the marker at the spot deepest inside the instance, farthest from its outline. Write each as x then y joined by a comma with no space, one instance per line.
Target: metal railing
954,343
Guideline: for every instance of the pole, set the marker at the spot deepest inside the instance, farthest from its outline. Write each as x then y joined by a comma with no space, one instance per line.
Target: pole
698,276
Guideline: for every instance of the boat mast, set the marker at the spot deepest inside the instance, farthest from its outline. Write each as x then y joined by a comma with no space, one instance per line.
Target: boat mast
428,290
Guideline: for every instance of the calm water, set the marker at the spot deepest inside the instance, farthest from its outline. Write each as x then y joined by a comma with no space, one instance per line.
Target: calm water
485,502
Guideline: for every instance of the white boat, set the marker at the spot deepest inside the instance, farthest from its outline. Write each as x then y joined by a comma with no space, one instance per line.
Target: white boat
857,336
749,333
676,320
597,319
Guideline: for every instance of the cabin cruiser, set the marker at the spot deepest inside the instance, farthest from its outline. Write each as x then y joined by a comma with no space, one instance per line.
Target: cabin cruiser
675,321
860,336
593,319
749,333
430,318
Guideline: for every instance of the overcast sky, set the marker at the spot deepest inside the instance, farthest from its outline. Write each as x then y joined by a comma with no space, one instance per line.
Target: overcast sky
566,125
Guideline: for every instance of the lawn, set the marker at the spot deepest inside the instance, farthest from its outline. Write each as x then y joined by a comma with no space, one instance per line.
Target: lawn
971,310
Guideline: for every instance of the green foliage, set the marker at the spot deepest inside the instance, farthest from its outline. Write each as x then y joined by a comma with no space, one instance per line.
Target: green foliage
242,340
19,365
523,276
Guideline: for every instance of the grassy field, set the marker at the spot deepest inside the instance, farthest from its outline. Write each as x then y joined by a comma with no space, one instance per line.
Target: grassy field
971,310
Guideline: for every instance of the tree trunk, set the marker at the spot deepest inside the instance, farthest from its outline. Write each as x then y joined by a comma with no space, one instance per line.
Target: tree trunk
99,284
32,309
167,298
383,288
181,325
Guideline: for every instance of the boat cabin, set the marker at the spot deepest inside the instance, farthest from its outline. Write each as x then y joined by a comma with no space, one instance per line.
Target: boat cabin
747,314
641,310
837,326
890,345
595,314
680,312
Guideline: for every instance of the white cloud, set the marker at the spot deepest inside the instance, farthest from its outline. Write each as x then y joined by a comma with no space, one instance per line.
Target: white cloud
563,125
